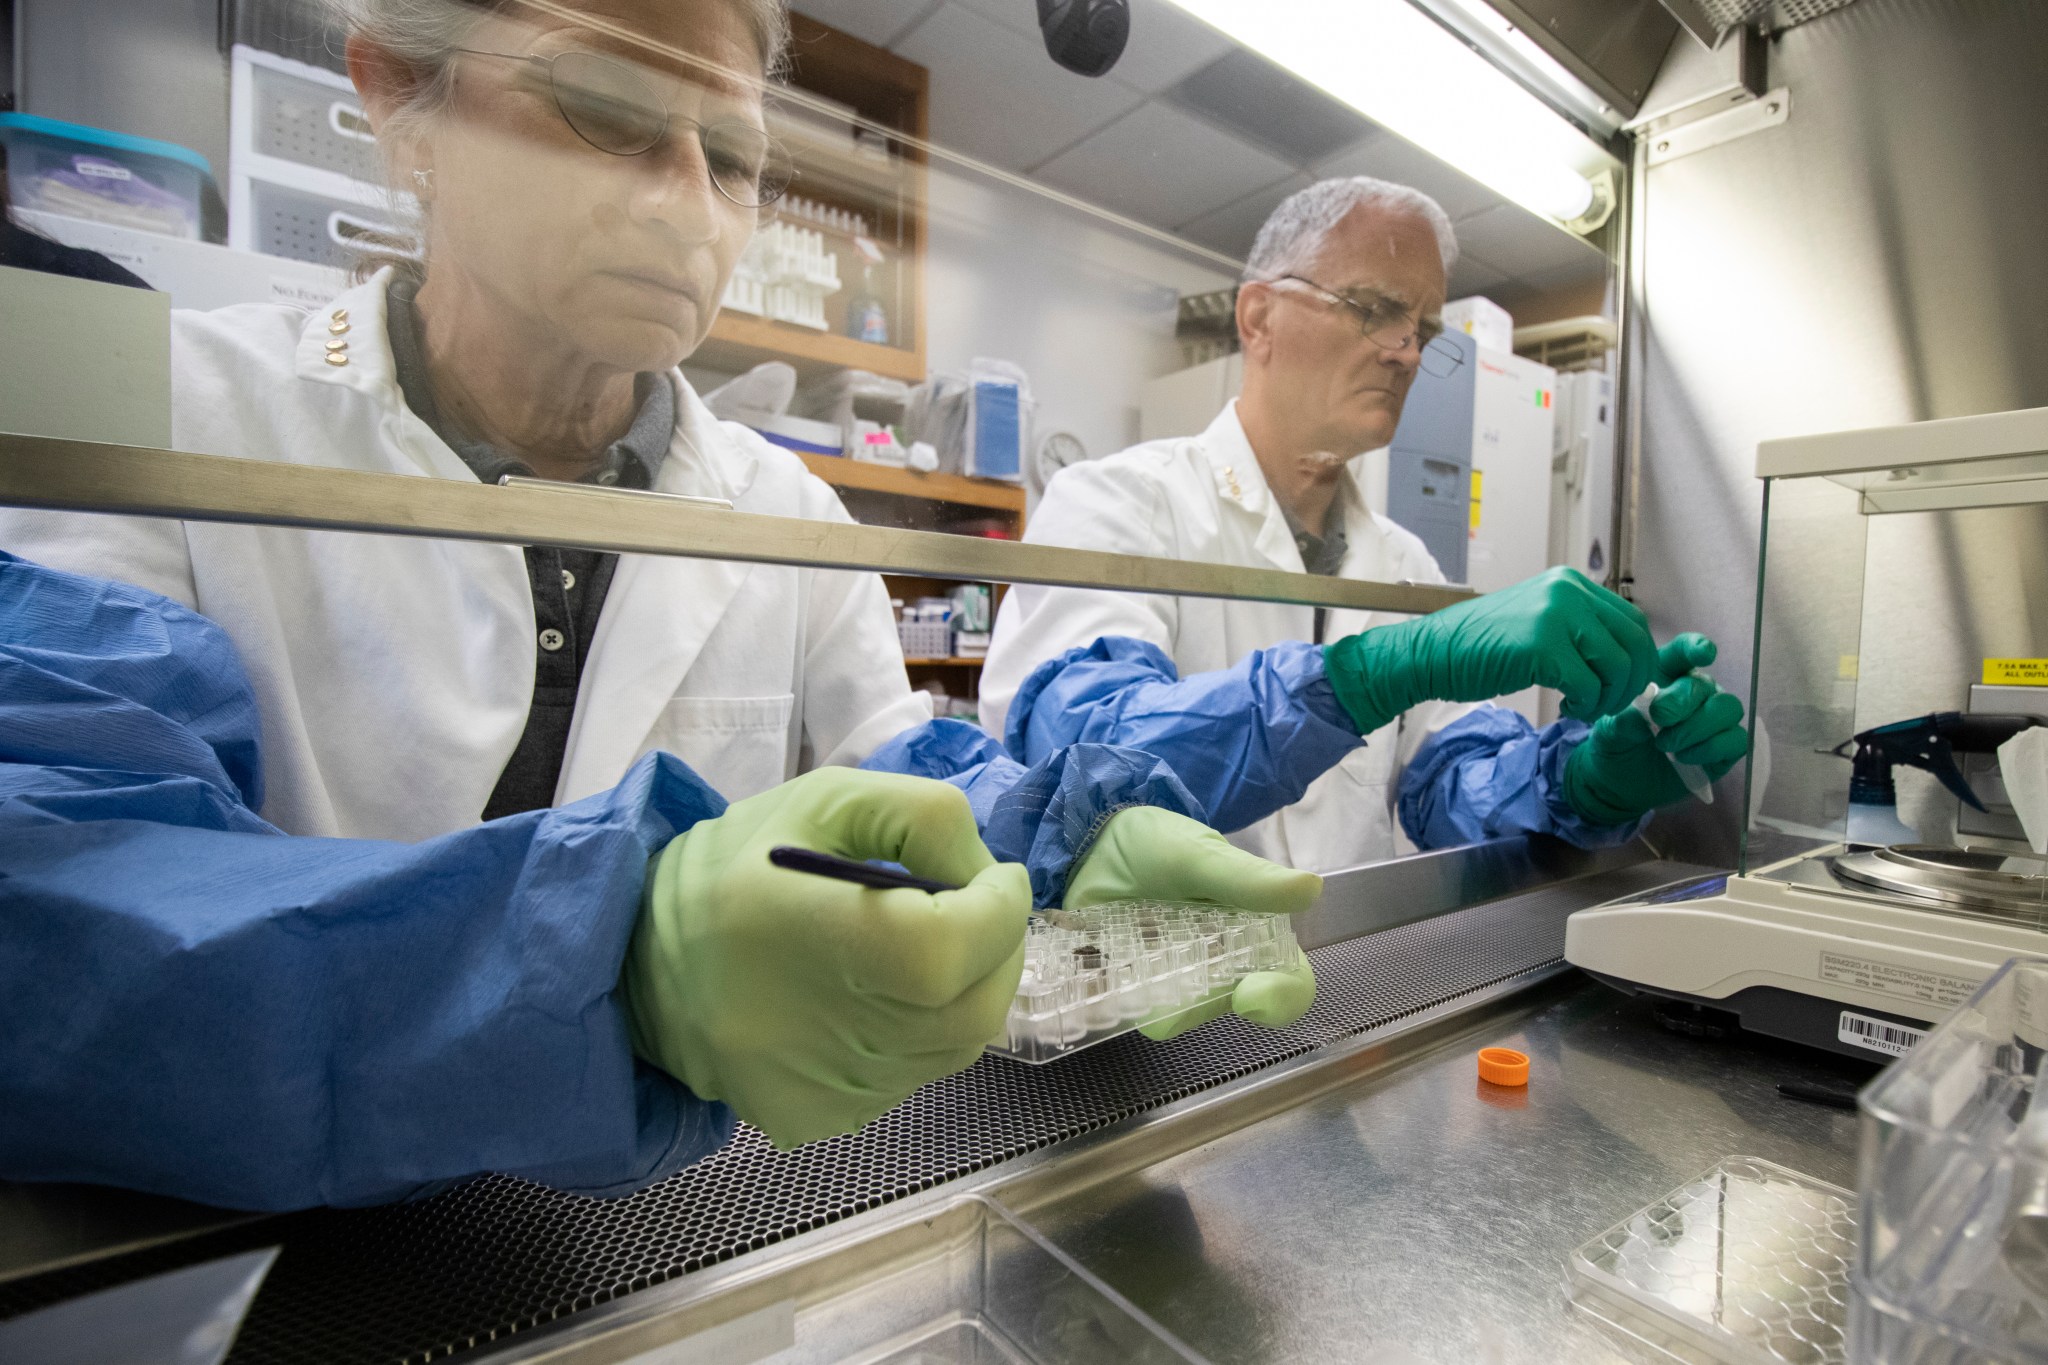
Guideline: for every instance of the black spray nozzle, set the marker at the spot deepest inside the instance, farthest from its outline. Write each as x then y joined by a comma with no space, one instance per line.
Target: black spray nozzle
1930,743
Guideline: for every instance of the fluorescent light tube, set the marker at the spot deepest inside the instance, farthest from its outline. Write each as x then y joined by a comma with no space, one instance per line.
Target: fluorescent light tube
1407,73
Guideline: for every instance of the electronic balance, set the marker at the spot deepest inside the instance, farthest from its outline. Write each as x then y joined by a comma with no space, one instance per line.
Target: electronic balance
1841,929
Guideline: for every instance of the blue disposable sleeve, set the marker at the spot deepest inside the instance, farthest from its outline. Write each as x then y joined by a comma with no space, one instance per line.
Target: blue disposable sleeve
1045,815
1247,740
194,1003
1490,774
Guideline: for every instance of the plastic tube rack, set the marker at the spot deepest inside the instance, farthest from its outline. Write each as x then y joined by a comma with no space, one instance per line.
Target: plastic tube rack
1092,974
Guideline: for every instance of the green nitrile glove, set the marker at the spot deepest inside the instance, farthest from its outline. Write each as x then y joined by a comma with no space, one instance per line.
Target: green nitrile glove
812,1006
1145,853
1559,629
1621,770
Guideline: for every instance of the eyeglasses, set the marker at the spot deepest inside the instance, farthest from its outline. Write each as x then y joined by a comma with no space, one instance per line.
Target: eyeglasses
614,109
1388,326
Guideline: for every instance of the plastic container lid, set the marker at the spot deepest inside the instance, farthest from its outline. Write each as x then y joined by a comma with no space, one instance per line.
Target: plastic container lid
1503,1066
102,137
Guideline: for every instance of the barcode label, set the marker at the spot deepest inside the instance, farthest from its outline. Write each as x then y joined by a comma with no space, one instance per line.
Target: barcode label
1878,1035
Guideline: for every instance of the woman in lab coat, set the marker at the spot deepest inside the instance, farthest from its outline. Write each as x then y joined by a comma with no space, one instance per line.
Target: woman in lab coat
587,182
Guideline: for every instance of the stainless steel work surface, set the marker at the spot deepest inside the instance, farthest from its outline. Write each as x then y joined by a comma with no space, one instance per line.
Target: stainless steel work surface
49,1227
497,1259
1424,1215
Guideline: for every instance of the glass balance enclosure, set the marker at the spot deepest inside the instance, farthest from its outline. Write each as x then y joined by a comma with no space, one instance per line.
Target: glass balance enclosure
1891,585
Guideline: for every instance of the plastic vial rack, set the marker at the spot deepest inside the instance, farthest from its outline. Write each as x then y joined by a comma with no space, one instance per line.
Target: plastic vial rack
1093,974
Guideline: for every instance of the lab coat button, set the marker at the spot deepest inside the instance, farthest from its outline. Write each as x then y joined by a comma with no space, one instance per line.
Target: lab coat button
337,328
336,359
551,639
341,315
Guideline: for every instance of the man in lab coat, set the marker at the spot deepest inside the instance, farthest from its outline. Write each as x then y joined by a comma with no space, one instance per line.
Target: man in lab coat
1309,733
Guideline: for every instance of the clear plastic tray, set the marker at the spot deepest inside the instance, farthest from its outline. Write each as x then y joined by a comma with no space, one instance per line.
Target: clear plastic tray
1092,974
1953,1266
1749,1263
972,1285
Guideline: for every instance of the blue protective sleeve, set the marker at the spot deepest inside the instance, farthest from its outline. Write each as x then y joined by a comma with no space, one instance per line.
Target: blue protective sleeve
194,1003
1489,774
1247,740
1045,816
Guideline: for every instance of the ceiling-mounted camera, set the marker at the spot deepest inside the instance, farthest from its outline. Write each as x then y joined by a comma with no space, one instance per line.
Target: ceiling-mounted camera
1085,36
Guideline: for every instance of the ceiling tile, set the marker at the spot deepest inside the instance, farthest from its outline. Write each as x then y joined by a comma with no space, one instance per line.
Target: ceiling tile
1511,239
996,95
1231,228
1271,107
1556,293
1166,42
1019,16
1392,157
1163,167
1475,277
1571,276
871,21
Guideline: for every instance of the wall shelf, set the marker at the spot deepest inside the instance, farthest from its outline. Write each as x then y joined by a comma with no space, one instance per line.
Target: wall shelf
888,92
739,342
993,494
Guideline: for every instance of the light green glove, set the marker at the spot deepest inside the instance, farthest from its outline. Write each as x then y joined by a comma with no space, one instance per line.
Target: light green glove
1559,629
1620,771
1145,853
812,1006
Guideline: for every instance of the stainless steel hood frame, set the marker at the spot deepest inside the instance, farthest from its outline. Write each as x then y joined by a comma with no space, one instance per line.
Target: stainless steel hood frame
89,476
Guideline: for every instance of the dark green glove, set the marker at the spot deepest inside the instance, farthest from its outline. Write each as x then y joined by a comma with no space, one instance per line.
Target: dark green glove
1622,770
1559,629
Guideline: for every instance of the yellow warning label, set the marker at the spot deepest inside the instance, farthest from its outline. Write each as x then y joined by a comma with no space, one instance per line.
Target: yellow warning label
1476,477
2016,672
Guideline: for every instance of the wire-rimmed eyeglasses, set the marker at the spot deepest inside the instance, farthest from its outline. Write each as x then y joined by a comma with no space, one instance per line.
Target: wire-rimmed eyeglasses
1390,327
616,110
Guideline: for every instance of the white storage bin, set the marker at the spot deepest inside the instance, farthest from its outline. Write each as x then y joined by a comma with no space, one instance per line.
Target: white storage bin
303,114
305,182
300,225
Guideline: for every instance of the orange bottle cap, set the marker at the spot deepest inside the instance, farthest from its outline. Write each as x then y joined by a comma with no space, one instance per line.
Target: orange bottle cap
1503,1066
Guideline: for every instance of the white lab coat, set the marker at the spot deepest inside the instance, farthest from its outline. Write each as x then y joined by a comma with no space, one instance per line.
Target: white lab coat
394,674
1204,499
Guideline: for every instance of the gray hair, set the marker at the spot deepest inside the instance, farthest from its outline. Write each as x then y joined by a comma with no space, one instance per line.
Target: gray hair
425,33
1297,228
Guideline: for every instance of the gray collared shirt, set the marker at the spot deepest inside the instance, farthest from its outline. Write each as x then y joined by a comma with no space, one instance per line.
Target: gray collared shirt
569,586
1320,554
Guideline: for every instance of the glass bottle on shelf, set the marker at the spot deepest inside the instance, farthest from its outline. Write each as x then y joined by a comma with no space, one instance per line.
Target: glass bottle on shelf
867,319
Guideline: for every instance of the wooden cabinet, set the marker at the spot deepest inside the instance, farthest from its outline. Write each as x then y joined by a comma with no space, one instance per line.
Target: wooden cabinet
888,195
881,495
883,186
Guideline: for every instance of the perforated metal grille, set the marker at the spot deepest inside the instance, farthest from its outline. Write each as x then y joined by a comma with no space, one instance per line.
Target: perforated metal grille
1721,15
418,1282
1790,13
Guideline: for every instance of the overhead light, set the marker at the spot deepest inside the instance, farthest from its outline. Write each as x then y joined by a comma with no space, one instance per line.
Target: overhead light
1408,73
1508,47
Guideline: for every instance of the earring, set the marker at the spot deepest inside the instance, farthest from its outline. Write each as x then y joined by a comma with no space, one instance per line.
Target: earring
424,180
